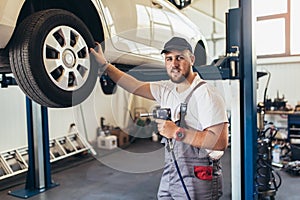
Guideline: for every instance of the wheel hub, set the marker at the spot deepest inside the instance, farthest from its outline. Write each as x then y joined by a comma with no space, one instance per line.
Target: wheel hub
68,58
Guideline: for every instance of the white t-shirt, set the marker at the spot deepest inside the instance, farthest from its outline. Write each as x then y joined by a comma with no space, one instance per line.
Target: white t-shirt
205,108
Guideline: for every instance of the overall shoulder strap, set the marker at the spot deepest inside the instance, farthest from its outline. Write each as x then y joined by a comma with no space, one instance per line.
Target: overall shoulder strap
183,106
191,93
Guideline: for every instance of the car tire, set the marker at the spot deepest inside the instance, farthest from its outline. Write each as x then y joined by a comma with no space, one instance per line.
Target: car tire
49,57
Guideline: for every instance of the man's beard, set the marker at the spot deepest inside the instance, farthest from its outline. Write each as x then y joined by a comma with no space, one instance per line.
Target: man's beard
180,78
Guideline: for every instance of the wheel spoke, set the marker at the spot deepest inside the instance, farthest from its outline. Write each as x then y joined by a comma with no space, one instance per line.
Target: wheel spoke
52,64
84,62
66,34
53,42
78,78
80,45
62,82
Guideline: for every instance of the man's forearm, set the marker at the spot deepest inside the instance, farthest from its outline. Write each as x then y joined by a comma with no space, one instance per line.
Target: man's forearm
214,139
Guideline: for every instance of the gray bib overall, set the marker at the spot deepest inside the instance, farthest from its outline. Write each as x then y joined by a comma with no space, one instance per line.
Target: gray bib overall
201,175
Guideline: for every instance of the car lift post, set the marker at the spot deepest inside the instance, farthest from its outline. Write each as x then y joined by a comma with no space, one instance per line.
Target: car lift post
39,172
248,101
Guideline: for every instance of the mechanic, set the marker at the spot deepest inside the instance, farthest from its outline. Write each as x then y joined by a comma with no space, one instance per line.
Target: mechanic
200,143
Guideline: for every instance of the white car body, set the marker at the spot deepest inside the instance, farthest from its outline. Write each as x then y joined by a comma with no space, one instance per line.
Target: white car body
133,33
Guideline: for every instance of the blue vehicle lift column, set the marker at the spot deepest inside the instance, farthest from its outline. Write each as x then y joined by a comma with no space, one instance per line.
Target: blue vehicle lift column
240,33
39,172
248,102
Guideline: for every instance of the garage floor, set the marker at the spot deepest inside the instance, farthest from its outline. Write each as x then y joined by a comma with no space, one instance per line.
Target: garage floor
85,178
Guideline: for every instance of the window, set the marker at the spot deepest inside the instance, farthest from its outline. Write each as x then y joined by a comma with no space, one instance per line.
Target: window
295,29
277,33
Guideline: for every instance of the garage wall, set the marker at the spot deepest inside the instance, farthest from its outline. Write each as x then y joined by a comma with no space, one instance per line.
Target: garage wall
114,108
12,118
13,128
117,109
209,16
284,81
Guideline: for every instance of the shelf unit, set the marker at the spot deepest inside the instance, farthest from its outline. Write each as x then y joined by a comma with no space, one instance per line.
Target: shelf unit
14,162
294,135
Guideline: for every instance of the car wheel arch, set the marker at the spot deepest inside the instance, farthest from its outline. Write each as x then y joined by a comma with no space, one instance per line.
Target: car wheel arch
88,13
200,52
